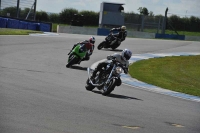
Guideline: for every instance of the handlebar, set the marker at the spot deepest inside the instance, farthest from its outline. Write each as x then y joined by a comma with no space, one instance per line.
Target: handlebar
121,65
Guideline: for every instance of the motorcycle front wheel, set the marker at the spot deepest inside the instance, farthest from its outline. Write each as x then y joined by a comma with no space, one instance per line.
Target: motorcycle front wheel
88,86
107,89
101,45
72,61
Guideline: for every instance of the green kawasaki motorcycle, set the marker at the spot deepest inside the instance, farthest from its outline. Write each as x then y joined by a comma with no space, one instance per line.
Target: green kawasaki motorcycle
76,55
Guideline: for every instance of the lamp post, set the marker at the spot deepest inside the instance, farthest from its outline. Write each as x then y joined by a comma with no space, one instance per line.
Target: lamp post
0,5
185,21
18,1
164,21
35,9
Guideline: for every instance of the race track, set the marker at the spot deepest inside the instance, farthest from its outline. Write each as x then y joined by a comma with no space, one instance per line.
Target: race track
39,94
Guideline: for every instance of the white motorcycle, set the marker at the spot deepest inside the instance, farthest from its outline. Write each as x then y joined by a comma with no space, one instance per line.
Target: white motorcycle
106,79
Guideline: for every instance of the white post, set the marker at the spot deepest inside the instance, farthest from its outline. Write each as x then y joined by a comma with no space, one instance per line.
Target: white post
58,28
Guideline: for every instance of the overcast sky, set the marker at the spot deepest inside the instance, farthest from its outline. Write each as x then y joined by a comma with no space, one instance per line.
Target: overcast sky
179,7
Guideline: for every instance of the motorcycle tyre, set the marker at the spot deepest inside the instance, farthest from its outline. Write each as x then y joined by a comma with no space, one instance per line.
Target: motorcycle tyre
110,88
101,45
71,62
115,46
88,86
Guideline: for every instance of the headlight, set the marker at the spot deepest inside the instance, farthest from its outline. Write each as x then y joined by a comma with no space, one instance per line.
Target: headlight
118,70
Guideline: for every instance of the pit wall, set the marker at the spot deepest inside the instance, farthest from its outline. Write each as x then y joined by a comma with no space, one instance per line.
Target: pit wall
134,34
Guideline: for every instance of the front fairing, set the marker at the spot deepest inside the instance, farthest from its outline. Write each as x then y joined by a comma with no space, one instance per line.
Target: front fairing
78,52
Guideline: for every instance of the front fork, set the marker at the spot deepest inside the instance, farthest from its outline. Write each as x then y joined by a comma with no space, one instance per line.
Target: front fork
109,77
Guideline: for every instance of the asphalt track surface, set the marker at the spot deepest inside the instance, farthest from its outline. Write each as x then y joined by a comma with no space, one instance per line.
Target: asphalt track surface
38,94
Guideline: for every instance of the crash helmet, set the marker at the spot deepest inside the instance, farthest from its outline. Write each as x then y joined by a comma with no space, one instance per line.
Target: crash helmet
126,54
92,40
123,28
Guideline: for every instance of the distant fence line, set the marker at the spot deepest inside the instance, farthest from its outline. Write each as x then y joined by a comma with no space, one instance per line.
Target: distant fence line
26,9
142,23
23,9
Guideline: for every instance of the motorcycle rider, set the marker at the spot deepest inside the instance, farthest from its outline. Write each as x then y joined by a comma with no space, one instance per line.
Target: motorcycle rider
89,46
123,58
122,33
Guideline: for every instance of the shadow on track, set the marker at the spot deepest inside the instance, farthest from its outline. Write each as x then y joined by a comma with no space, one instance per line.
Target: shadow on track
79,68
118,96
116,50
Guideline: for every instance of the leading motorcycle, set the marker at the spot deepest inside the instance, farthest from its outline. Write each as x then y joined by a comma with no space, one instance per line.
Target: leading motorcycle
110,42
107,79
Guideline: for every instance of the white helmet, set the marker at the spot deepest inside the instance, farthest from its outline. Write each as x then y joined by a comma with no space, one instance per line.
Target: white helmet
92,40
123,28
126,54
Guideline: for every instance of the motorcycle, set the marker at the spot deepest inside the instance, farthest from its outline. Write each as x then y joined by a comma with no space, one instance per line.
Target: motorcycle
110,42
76,55
107,79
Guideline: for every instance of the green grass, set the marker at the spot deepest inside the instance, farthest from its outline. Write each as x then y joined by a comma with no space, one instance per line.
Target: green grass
181,74
7,31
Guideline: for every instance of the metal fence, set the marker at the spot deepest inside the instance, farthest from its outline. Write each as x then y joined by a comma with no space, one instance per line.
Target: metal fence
23,9
144,23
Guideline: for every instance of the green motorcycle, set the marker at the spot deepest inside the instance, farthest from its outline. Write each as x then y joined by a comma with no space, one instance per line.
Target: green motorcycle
76,55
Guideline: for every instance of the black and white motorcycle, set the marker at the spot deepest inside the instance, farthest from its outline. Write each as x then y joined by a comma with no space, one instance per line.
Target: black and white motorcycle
110,42
107,79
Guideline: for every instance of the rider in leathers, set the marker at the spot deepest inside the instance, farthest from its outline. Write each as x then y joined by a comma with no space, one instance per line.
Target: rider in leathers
123,58
122,33
89,45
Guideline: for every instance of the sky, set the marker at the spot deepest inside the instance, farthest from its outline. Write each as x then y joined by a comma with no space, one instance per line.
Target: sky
178,7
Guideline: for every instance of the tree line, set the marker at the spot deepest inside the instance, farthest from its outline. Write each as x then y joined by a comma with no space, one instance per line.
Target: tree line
91,18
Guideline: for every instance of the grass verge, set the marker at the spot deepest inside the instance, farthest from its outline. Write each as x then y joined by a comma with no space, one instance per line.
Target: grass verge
7,31
181,74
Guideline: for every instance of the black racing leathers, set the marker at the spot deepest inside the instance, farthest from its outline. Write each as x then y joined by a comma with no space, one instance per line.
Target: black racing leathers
121,34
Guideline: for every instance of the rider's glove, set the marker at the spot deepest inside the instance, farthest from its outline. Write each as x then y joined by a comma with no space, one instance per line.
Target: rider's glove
109,57
89,53
112,29
125,70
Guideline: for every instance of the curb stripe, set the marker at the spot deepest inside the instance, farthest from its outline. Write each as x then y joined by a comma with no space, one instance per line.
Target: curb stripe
128,80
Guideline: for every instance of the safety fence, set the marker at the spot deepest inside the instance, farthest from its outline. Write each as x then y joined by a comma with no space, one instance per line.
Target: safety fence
23,9
24,24
136,22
